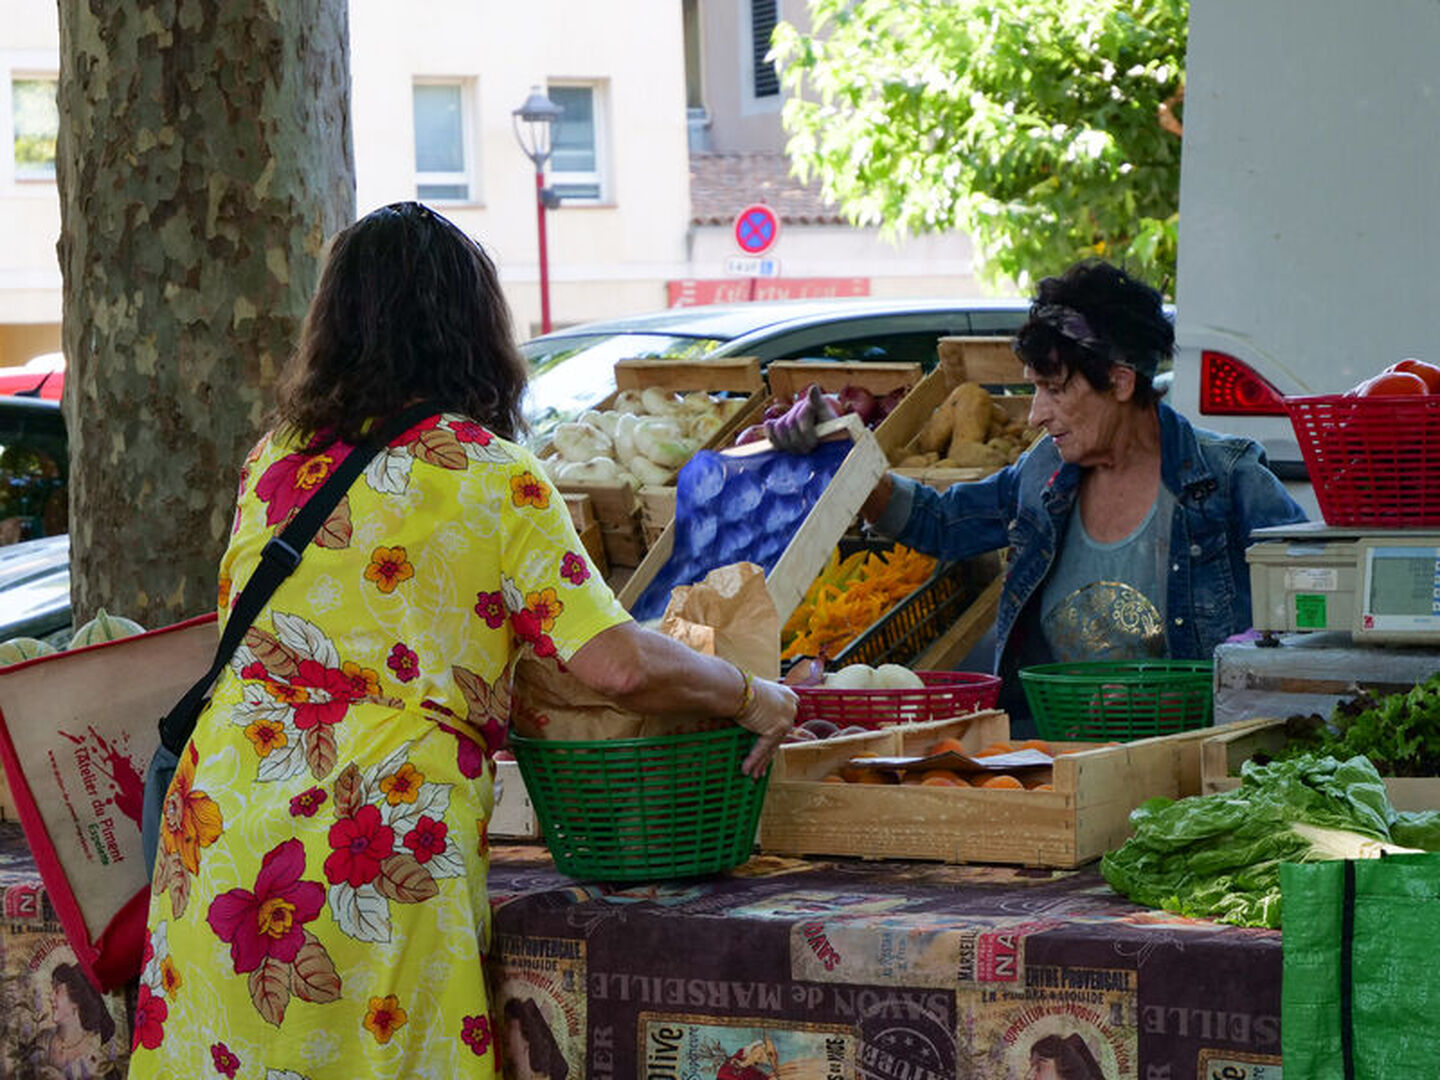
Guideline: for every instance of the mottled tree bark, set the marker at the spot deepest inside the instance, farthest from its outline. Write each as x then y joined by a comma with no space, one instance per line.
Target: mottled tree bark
204,157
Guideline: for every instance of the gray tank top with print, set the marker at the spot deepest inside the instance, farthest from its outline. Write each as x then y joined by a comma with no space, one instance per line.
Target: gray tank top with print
1107,601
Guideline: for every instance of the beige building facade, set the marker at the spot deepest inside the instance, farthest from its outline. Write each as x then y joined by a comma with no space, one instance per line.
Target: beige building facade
671,126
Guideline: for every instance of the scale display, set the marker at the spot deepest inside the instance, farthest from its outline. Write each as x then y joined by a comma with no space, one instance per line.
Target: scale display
1400,588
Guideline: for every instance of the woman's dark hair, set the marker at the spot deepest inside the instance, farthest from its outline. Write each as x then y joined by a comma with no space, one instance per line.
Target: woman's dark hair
1071,1055
545,1056
1092,316
408,307
89,1006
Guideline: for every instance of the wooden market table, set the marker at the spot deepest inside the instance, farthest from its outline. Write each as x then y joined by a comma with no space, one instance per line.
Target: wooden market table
870,970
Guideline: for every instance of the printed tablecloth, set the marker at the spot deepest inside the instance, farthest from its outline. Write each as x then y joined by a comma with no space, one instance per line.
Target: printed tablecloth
874,970
53,1023
808,970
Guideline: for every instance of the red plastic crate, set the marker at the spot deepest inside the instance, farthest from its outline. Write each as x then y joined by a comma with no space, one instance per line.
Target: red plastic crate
1374,461
947,694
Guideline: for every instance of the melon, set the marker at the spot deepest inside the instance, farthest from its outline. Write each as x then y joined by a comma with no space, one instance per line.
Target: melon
23,648
105,627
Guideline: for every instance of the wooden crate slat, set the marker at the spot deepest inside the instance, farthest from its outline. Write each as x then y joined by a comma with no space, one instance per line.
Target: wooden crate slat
791,377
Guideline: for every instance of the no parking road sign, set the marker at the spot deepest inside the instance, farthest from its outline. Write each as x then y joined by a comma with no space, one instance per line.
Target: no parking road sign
757,227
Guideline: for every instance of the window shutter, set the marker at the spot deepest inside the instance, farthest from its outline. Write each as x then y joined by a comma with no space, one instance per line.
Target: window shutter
763,16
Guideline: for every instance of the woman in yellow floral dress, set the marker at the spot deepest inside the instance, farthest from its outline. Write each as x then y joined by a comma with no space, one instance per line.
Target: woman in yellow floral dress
319,905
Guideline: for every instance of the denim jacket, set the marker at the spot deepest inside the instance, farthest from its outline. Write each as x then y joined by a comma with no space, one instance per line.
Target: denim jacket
1222,491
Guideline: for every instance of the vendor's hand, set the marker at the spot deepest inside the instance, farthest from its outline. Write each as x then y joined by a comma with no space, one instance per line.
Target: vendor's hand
771,715
795,431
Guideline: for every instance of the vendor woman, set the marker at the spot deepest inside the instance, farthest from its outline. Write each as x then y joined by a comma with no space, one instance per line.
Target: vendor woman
1127,526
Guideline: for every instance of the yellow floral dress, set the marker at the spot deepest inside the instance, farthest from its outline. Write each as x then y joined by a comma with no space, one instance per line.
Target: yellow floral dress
319,906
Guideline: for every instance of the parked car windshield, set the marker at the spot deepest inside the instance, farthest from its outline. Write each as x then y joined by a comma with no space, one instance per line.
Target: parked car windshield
571,374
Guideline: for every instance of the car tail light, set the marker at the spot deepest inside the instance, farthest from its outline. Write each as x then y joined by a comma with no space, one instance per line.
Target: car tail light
1229,387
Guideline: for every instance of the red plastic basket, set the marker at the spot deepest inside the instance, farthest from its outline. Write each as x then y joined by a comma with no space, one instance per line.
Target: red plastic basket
1374,461
946,694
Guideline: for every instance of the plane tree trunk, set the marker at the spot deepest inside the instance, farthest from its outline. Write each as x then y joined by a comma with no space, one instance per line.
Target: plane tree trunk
204,156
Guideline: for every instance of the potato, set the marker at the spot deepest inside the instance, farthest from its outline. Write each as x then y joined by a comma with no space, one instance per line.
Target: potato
916,461
935,432
976,456
971,405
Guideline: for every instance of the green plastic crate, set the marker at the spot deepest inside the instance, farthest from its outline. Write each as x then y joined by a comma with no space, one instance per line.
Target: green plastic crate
1119,700
644,809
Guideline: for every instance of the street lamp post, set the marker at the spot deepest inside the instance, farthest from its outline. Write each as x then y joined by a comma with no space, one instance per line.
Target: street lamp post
534,124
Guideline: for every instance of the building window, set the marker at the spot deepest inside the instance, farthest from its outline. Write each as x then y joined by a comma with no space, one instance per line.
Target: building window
763,16
443,145
576,161
35,116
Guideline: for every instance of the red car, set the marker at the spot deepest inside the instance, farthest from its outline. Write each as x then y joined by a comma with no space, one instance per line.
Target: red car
42,377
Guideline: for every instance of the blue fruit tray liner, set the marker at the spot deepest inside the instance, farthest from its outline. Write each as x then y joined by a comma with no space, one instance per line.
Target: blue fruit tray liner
742,508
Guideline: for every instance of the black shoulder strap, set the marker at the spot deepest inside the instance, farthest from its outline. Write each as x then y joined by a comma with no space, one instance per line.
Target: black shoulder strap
278,559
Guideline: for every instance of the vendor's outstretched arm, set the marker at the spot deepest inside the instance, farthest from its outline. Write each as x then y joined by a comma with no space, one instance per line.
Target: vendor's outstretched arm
875,505
967,519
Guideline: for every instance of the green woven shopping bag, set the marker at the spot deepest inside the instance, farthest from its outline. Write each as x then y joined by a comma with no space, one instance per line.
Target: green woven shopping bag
1360,998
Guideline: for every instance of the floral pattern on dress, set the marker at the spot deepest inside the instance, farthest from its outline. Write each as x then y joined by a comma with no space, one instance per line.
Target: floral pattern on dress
373,863
296,688
265,929
189,821
444,442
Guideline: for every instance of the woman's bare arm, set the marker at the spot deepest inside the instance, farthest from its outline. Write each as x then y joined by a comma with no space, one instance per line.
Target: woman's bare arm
651,673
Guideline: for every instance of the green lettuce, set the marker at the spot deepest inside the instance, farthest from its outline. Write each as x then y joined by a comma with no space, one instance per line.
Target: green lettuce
1219,856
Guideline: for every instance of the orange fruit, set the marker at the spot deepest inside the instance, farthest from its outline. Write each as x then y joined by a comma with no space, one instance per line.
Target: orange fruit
942,778
1035,744
949,776
855,774
834,778
1043,787
995,748
874,776
952,746
1003,780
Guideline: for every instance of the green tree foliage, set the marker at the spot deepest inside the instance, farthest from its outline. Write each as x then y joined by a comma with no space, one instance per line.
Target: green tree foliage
1034,126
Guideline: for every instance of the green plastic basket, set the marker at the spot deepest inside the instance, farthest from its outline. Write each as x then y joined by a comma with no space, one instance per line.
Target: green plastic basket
644,809
1119,699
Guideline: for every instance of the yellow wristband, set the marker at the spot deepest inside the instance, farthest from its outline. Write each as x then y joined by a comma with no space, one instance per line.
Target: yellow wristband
749,695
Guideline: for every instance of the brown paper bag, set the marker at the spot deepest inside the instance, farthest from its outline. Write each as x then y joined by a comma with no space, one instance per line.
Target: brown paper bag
730,615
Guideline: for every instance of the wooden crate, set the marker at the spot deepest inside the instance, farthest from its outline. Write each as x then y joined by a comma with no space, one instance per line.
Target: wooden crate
1231,746
582,509
513,817
624,544
1086,815
900,428
594,540
657,510
615,505
810,547
990,361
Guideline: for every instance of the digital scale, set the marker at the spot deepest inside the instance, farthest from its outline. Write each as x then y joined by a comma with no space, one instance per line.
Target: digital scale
1379,586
